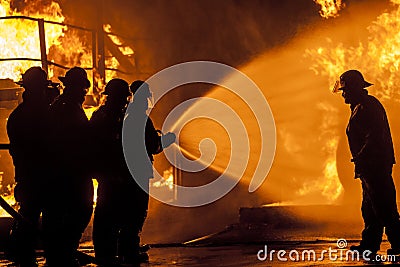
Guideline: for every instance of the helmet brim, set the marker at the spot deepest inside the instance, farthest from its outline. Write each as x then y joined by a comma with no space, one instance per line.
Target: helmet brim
337,87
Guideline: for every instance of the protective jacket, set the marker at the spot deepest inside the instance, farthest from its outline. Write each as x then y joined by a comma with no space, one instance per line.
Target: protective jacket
369,136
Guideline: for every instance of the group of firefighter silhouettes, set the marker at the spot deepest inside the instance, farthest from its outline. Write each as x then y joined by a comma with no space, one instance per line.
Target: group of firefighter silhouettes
57,151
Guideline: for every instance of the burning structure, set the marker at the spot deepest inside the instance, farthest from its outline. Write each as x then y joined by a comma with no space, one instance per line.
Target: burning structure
311,164
35,33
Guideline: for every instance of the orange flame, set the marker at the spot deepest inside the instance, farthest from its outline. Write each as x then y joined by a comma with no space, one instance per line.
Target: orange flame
379,56
330,8
64,46
328,185
9,198
112,62
21,37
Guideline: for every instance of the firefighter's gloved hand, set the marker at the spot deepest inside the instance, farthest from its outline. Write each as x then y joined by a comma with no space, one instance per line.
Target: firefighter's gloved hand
359,168
167,139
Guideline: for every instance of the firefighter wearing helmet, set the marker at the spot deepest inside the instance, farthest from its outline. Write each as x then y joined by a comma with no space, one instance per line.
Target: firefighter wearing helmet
27,129
116,191
372,152
70,201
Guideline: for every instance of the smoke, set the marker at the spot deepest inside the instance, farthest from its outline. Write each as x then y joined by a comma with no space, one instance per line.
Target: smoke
163,33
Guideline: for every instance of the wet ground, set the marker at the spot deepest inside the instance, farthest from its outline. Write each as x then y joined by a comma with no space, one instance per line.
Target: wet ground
294,239
296,254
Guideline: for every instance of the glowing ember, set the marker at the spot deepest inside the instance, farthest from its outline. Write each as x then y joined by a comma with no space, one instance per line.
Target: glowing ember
330,8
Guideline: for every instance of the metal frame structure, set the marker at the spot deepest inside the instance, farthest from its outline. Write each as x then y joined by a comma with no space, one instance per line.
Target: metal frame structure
98,59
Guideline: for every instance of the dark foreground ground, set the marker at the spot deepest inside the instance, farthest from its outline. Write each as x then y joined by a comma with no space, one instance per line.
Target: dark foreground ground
266,236
246,255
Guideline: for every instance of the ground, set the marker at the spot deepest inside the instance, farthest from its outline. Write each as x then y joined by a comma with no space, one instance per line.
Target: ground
246,255
268,236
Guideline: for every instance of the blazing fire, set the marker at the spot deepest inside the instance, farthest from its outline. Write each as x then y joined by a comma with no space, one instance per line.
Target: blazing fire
65,46
126,51
377,57
21,37
330,8
328,185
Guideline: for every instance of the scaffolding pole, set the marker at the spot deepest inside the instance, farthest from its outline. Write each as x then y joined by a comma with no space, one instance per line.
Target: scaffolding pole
94,63
42,38
101,68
